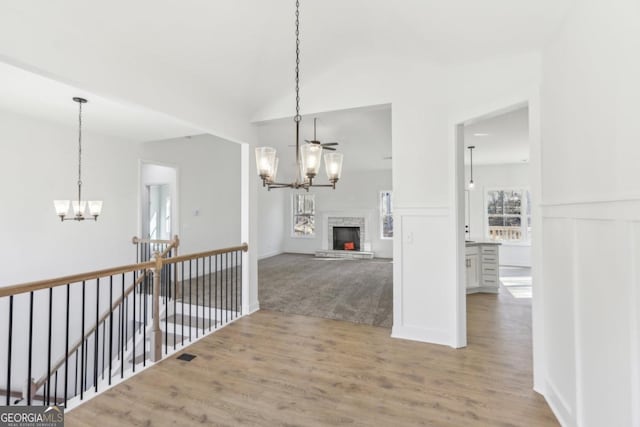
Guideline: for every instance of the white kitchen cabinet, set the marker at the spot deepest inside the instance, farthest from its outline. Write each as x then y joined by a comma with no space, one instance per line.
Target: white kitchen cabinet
482,267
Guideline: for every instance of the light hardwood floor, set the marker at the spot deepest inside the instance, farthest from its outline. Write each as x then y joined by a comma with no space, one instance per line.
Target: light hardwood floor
276,369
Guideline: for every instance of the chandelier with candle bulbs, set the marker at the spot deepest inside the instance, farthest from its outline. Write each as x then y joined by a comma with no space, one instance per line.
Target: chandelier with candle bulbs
80,209
308,156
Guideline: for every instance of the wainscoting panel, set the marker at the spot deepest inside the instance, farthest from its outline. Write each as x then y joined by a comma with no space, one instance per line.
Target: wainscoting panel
604,289
424,276
559,284
591,257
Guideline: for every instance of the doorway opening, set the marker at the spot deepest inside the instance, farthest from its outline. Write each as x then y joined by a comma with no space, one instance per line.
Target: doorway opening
158,201
495,215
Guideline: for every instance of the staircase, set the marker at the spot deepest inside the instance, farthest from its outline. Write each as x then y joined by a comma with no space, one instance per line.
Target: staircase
87,332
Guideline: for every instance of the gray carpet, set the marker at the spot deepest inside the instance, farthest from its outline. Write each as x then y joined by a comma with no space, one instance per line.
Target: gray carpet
359,291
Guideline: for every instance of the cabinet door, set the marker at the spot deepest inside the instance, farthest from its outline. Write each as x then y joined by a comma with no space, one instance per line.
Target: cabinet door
472,271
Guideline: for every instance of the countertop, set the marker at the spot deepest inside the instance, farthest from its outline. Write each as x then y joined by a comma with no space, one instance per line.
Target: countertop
469,243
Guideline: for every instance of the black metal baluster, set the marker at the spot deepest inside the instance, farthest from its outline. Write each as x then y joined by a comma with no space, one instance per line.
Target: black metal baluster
215,292
49,345
226,287
82,339
55,389
75,393
9,339
233,300
30,348
133,329
209,293
104,342
236,267
110,325
66,351
197,292
121,331
96,337
241,281
190,296
175,302
86,362
182,300
144,333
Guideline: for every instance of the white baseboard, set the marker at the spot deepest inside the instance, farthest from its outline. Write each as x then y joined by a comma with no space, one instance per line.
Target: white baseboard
251,308
269,254
431,336
558,406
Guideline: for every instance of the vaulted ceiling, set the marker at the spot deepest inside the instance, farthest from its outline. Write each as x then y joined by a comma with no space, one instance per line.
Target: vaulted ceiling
228,58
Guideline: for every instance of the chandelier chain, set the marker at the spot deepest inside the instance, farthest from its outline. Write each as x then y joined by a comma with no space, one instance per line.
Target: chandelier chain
297,117
80,144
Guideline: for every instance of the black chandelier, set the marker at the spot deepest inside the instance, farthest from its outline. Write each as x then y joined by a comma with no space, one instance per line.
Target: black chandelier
308,156
81,209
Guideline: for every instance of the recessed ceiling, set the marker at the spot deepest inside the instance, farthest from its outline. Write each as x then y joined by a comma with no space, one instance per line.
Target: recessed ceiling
364,135
238,54
501,139
24,92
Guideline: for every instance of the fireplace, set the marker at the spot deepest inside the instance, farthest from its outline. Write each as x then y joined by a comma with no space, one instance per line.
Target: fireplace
346,238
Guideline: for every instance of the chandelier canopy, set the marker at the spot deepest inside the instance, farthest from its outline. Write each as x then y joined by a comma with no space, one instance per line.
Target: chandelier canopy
308,156
80,209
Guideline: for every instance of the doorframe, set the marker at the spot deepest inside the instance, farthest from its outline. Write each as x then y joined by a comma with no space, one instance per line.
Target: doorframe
175,200
530,98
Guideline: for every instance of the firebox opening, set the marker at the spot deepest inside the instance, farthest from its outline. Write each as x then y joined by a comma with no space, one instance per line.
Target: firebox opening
346,238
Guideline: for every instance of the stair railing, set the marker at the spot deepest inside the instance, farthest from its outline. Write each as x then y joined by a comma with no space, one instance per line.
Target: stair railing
82,330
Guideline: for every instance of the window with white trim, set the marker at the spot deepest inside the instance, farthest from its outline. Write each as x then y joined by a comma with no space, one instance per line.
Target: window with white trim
386,215
508,215
304,215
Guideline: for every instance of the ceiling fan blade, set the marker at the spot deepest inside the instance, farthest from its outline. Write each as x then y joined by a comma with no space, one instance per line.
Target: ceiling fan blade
329,144
328,148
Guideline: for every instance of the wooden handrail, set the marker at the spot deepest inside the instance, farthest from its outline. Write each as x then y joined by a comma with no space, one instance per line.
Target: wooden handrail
135,240
75,278
78,343
244,248
175,242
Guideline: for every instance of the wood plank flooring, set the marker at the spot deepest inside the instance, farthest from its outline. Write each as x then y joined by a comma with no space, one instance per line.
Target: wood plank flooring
275,369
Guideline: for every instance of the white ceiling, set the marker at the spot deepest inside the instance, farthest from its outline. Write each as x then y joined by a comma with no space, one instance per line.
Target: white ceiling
501,139
364,135
40,97
239,54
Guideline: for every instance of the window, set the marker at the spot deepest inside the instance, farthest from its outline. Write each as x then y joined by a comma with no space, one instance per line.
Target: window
509,215
386,215
304,211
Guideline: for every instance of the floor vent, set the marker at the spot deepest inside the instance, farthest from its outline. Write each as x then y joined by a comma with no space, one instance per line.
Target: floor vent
186,357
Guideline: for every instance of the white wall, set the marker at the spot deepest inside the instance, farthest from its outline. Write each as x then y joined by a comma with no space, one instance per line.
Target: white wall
427,101
39,163
208,189
591,215
357,191
488,177
271,221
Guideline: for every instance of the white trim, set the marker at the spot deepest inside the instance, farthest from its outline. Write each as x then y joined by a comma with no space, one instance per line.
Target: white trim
558,405
634,301
431,336
250,309
270,254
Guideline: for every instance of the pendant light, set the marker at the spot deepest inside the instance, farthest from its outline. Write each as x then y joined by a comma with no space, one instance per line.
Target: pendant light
471,183
78,207
308,156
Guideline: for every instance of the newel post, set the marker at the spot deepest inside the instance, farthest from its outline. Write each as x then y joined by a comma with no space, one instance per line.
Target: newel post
156,333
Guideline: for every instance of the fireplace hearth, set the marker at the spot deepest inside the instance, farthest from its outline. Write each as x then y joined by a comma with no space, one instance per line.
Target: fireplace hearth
346,238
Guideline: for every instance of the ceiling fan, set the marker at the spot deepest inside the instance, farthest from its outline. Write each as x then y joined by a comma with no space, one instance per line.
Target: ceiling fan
326,145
